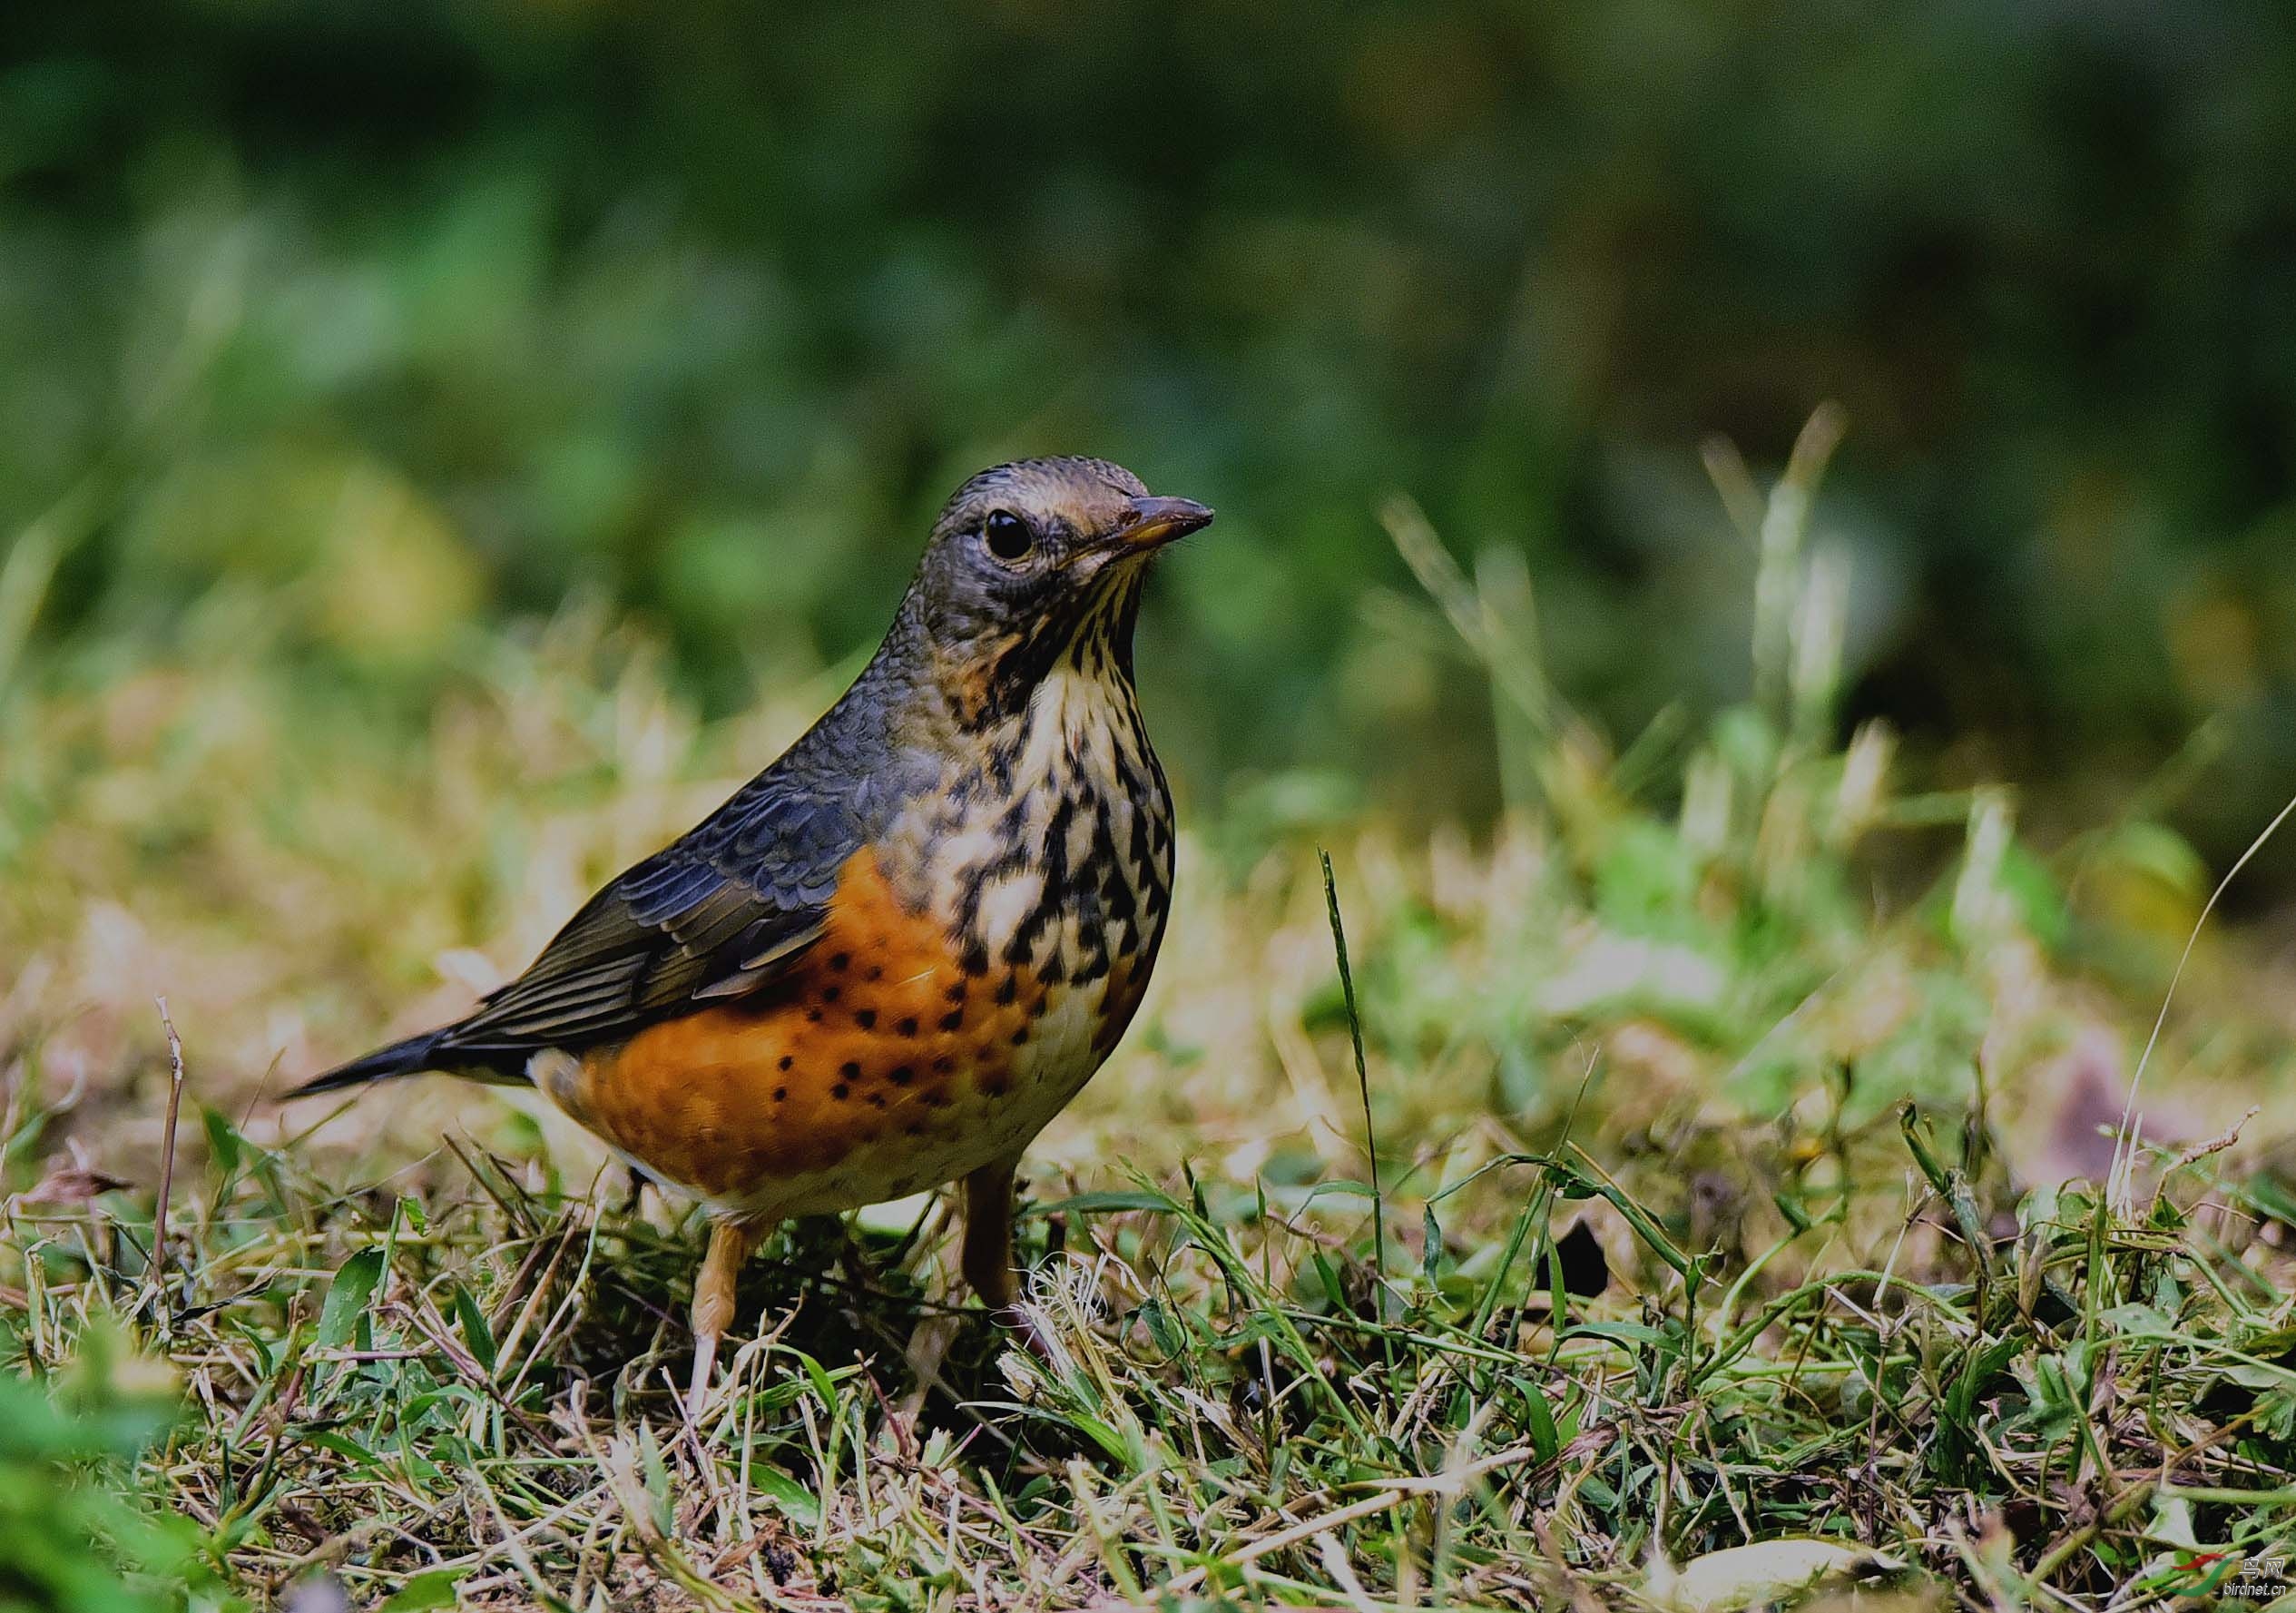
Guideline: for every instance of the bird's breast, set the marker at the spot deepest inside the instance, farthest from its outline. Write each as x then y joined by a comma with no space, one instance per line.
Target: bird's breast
1051,852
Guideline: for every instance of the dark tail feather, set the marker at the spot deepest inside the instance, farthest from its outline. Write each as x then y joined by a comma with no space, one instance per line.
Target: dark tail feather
409,1057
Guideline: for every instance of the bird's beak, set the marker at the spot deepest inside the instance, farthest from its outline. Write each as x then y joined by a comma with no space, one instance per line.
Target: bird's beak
1155,522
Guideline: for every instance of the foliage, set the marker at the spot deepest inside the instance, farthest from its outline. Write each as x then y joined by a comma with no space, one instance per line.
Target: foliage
74,1537
347,331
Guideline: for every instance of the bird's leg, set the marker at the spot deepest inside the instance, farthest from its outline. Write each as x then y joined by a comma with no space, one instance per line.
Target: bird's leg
987,1260
730,1242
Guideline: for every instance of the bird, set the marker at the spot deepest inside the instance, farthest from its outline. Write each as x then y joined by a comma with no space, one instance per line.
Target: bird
889,959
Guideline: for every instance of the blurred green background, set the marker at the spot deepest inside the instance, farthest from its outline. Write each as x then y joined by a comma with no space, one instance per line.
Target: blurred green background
340,335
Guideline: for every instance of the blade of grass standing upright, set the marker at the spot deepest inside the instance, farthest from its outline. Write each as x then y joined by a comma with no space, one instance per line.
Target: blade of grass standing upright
1778,576
1362,1076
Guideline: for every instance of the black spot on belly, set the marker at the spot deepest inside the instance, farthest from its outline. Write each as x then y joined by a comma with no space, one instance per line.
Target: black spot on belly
902,1075
840,961
785,1062
851,1070
866,1018
953,1020
841,1092
906,1028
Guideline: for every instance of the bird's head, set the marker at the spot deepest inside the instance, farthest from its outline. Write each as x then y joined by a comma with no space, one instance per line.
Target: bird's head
1032,566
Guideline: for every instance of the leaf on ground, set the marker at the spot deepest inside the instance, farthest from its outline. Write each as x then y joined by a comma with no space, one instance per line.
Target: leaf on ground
348,1298
1101,1203
1766,1571
476,1335
422,1593
69,1185
800,1505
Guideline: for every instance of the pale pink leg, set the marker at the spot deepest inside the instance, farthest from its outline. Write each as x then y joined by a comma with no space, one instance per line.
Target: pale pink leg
730,1242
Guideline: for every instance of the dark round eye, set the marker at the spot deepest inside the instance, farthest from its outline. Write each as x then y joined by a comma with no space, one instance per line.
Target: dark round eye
1008,535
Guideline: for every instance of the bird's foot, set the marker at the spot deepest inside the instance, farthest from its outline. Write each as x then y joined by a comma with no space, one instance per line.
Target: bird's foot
729,1245
697,1394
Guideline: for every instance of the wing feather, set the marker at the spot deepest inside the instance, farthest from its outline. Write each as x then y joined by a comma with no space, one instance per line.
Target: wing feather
721,913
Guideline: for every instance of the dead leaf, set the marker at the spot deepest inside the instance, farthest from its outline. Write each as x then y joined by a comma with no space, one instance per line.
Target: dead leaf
1764,1572
69,1185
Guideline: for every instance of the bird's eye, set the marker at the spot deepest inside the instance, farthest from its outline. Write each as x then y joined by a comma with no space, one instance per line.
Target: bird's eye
1008,535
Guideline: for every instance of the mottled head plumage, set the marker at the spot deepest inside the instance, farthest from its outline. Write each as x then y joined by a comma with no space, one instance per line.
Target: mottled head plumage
1031,563
1063,479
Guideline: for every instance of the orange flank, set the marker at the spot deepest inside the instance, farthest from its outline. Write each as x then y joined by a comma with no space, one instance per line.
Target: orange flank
862,1075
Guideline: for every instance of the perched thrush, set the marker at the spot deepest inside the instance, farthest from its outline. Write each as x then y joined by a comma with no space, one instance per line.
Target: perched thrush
898,952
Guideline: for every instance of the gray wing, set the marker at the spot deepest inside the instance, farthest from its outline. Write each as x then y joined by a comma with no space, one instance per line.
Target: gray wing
718,914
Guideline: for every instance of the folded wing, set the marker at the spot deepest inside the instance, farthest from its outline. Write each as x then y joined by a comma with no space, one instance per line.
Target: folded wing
719,914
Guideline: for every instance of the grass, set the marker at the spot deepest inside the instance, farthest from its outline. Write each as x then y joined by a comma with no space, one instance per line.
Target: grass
1738,1181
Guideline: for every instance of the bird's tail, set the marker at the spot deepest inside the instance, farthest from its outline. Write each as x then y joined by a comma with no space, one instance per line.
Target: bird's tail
409,1057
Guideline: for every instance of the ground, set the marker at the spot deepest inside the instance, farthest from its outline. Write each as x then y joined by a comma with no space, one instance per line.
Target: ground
1716,1153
